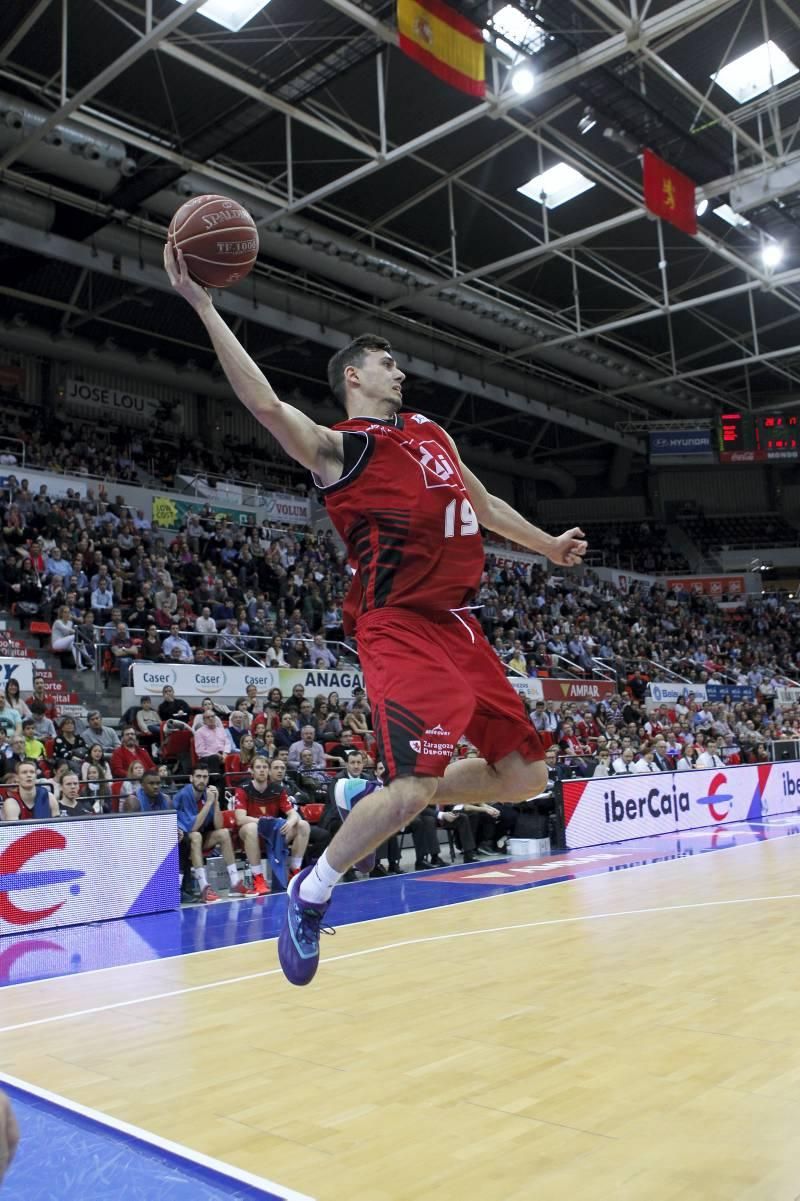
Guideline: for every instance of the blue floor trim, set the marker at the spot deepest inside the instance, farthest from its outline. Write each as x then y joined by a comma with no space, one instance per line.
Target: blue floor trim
72,1157
77,949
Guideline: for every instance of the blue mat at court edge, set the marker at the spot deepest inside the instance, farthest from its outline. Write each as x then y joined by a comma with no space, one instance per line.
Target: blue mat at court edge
65,1156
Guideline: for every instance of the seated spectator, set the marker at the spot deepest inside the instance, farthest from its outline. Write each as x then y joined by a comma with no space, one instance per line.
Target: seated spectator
29,799
14,699
125,652
147,720
96,732
604,766
40,694
200,822
253,701
288,732
151,650
34,747
238,763
264,801
70,801
209,706
212,744
172,708
206,627
458,821
688,760
128,751
96,786
176,647
328,723
236,726
10,719
102,599
307,742
43,727
623,764
62,637
69,747
86,639
149,796
645,762
710,757
342,749
133,778
424,830
12,754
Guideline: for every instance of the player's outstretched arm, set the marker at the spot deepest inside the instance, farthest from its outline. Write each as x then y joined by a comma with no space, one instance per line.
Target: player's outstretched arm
311,445
494,514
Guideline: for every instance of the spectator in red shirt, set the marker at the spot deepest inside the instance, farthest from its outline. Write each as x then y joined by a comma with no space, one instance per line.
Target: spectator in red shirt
126,752
263,801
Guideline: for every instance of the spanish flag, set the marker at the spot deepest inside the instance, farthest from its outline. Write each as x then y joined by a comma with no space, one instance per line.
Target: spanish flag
444,42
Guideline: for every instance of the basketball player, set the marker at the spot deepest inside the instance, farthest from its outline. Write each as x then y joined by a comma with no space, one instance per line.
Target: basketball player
410,513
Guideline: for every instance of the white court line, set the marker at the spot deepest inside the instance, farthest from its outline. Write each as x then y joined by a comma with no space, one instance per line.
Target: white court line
162,1144
393,946
387,917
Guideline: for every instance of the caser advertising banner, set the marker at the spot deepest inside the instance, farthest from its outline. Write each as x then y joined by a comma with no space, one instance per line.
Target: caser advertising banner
78,870
619,807
193,681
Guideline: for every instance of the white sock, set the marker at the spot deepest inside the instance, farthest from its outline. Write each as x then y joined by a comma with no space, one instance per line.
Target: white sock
200,876
233,874
256,869
318,884
295,864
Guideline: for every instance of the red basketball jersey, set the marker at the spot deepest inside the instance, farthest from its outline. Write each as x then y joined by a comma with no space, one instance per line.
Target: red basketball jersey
404,513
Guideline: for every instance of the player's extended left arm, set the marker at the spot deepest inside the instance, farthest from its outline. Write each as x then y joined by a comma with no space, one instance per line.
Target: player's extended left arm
494,514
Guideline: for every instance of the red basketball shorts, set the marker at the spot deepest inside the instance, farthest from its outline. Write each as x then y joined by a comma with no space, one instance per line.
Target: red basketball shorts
430,680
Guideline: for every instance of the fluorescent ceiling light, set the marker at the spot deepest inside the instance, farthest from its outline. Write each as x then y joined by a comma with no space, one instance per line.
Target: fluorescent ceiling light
726,213
755,72
702,207
559,185
526,35
233,14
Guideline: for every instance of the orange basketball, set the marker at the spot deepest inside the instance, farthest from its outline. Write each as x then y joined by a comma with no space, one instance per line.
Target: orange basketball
218,239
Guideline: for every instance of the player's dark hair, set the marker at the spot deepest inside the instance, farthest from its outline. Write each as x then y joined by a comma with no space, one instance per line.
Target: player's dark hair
352,355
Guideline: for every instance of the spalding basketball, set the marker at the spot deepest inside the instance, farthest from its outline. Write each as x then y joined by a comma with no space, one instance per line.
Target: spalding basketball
218,239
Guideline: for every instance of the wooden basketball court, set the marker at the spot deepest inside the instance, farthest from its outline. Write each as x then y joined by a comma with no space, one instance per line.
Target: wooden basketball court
629,1036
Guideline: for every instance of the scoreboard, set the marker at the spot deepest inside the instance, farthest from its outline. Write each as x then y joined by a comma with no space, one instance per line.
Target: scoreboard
759,437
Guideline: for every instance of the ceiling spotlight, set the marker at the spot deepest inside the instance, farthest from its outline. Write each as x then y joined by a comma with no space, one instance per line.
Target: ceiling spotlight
522,81
587,121
771,254
702,207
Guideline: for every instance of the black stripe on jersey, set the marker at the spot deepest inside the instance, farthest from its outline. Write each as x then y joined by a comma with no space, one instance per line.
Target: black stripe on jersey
404,717
393,528
356,457
399,724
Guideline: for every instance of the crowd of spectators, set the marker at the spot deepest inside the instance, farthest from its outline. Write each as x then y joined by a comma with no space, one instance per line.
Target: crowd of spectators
62,444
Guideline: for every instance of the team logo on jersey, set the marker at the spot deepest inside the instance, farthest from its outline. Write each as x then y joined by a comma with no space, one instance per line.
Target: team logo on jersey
420,420
438,470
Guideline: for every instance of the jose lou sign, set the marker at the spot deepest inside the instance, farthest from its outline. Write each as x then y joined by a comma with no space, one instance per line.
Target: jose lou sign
190,680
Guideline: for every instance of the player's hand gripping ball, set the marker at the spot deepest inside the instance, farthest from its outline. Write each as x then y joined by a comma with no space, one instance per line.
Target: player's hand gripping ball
218,239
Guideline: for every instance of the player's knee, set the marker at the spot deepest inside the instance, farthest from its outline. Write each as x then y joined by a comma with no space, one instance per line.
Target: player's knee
530,780
303,828
195,838
415,795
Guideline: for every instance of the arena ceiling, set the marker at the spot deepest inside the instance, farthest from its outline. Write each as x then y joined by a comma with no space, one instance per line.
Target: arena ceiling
389,201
